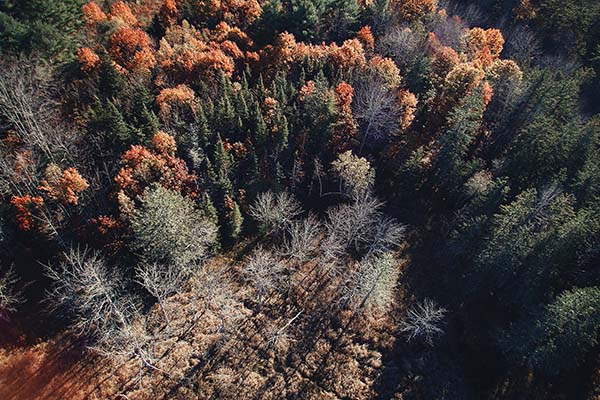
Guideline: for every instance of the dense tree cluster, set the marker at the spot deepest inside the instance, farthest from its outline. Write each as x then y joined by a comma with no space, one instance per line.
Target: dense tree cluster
244,165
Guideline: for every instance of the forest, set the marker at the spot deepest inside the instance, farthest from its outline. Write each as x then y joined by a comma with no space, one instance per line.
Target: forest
299,199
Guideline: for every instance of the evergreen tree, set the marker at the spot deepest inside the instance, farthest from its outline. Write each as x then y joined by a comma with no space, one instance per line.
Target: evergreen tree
234,220
452,166
110,81
48,27
562,334
109,120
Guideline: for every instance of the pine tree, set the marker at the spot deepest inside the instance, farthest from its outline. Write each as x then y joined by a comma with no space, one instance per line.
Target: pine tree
47,27
222,159
234,220
259,125
452,166
209,209
109,120
110,81
203,132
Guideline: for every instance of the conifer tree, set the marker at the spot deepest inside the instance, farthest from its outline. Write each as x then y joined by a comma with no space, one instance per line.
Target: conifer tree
452,166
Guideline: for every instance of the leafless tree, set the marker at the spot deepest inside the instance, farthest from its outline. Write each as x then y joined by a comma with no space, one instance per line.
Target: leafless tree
387,235
403,45
302,238
161,281
278,337
91,294
264,271
274,212
375,109
360,227
10,295
449,31
424,320
212,291
521,44
352,224
372,284
26,104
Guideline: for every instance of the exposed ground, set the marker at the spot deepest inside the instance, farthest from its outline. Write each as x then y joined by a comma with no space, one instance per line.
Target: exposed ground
303,347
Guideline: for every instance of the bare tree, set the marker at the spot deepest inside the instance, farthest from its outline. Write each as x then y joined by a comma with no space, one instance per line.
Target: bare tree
161,281
91,295
302,239
403,45
212,291
264,271
372,284
359,227
10,295
274,212
375,109
424,320
387,235
352,225
278,337
26,104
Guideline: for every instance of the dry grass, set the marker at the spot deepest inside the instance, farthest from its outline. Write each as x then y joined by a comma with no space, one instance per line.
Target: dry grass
323,353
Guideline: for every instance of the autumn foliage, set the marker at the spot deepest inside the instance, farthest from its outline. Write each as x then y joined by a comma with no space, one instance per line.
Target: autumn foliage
88,59
132,50
411,10
63,186
142,166
179,96
346,131
26,207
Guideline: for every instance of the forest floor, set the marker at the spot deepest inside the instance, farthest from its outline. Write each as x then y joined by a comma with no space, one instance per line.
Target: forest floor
297,346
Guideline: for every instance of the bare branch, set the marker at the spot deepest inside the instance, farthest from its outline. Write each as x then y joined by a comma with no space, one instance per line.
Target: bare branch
302,239
10,296
275,212
264,271
161,281
424,320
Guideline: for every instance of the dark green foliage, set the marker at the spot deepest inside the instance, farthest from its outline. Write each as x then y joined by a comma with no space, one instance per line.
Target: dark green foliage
110,82
562,334
108,120
547,127
310,20
47,27
452,166
234,222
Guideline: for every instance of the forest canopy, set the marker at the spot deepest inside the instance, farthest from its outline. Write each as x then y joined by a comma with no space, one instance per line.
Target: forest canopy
303,199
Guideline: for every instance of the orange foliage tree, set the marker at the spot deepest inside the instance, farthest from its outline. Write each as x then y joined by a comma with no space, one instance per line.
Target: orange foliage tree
122,14
412,10
141,166
88,59
25,209
184,55
365,36
170,98
131,49
345,134
484,45
386,70
63,186
407,104
287,52
93,14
